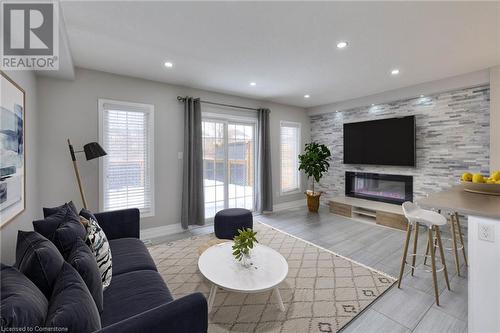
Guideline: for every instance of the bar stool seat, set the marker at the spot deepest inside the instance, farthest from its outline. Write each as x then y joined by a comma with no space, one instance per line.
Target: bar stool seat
417,216
423,216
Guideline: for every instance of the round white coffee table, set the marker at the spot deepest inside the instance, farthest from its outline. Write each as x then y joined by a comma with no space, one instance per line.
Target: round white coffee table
267,270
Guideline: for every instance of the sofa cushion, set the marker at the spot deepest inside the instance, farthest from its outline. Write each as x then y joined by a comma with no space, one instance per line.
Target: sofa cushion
71,305
49,225
49,211
130,254
133,293
23,304
38,259
83,260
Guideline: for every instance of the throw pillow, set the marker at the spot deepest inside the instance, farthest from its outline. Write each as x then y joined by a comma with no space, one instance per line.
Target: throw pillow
83,260
87,214
38,259
48,226
67,232
23,304
98,243
71,305
50,211
84,222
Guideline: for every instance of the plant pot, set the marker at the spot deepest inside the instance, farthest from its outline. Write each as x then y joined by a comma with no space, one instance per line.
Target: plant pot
313,201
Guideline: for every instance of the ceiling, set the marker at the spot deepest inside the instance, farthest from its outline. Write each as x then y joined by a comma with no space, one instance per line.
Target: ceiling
287,48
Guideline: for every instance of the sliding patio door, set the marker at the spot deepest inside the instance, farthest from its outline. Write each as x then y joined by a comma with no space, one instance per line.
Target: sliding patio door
228,164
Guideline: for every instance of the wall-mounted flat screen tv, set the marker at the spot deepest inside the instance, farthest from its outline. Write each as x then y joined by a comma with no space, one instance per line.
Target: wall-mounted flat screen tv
384,142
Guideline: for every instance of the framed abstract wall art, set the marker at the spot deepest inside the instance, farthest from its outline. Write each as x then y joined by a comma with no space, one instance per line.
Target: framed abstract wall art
12,150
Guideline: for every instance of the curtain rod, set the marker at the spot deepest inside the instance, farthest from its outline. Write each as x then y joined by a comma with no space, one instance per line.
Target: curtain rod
182,99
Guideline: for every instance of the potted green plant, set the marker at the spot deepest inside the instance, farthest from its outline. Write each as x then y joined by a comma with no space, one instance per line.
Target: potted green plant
243,243
314,163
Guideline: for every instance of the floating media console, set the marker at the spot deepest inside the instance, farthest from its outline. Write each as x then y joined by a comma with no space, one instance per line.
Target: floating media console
376,198
394,189
382,213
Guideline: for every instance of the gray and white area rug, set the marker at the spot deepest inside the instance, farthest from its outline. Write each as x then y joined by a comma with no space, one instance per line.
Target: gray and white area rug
322,292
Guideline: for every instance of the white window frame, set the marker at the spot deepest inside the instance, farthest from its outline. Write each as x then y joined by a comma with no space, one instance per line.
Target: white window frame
284,123
132,106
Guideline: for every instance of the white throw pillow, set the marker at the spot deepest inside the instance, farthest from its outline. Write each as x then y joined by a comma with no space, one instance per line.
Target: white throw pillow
98,243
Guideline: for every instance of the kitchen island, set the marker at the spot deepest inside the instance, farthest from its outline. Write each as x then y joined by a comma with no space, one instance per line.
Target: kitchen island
483,219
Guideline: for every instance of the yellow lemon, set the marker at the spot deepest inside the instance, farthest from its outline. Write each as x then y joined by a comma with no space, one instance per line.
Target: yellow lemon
467,177
477,178
495,176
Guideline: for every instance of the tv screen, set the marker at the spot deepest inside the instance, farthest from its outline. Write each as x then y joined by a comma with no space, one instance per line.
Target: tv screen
385,142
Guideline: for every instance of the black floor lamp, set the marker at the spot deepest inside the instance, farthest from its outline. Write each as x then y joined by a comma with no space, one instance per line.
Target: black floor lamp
92,150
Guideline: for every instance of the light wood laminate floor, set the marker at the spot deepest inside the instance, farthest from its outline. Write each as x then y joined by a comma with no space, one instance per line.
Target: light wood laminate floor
409,309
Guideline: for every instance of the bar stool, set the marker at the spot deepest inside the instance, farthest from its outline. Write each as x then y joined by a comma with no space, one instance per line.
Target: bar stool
417,216
456,231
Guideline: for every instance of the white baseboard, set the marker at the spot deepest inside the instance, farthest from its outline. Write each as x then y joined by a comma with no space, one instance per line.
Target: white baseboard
289,204
150,233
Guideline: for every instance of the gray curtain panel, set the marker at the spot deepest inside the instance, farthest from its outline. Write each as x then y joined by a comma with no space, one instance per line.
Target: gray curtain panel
193,203
264,186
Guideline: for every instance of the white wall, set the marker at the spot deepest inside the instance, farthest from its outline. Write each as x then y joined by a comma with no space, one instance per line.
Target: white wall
27,81
495,118
68,109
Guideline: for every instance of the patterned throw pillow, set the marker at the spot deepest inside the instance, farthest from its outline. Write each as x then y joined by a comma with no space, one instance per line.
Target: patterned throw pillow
98,243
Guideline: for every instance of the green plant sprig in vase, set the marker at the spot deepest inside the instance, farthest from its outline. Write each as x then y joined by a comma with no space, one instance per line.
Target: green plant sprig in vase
243,243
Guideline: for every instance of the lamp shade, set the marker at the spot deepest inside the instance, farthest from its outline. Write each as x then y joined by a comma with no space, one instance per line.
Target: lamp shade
93,150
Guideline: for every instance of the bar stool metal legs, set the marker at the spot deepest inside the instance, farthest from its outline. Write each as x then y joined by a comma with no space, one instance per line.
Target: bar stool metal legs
441,254
456,235
433,235
461,236
415,240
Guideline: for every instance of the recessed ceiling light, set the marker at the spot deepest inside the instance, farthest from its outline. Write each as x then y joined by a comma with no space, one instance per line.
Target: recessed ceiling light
253,84
395,71
341,45
307,96
168,64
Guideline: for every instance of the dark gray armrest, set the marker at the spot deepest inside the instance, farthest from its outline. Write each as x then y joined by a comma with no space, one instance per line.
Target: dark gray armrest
120,223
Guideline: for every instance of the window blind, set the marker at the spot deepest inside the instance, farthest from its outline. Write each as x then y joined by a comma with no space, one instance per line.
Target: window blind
127,174
290,149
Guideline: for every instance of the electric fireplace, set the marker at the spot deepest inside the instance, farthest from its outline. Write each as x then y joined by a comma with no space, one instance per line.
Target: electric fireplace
394,189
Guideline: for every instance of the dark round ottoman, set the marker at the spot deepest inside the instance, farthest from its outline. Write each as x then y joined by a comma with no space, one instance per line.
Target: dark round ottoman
228,221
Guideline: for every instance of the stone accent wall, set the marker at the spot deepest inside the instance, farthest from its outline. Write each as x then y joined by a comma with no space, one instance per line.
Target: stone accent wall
452,137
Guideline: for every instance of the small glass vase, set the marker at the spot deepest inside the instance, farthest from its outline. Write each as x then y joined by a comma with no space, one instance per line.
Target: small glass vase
246,260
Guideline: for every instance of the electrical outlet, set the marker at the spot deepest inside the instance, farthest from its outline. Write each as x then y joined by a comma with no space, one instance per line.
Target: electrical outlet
179,155
486,232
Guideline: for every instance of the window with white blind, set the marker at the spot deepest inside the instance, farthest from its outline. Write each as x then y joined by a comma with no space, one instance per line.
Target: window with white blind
289,150
126,132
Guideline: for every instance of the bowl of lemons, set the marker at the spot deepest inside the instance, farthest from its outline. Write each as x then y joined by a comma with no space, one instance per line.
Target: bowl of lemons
477,183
